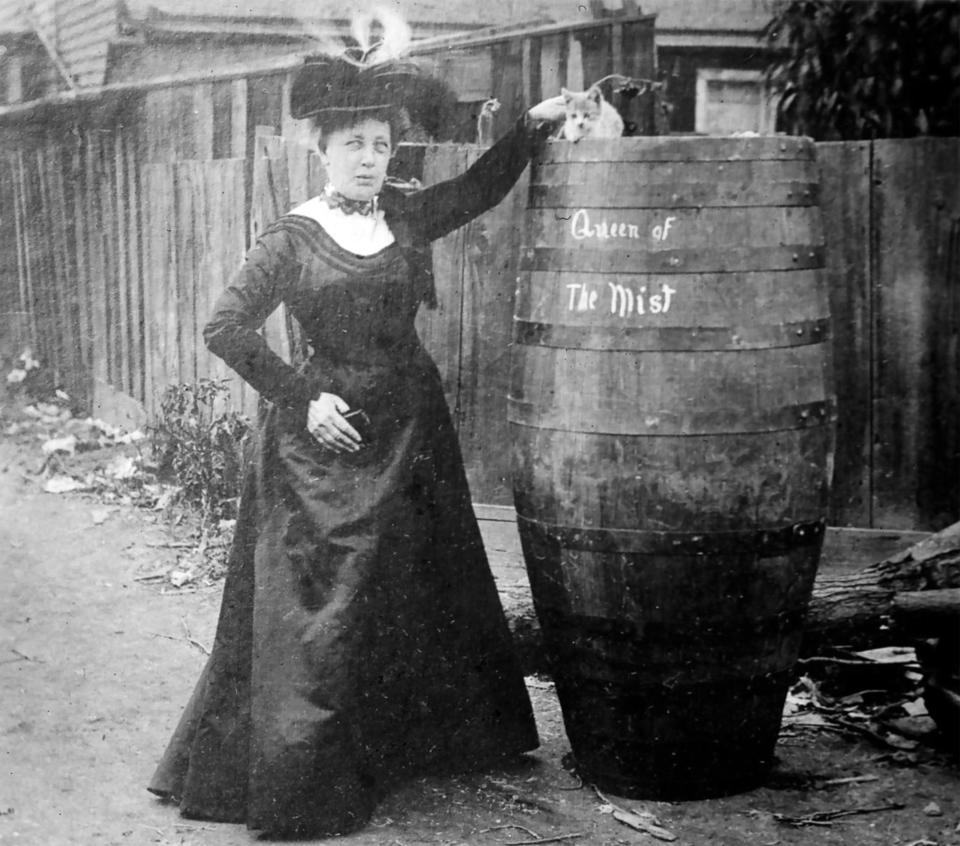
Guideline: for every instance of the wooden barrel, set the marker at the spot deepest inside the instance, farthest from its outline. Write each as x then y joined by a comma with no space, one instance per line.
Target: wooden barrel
671,415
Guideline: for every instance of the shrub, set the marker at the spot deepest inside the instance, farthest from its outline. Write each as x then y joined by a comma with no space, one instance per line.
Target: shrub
201,444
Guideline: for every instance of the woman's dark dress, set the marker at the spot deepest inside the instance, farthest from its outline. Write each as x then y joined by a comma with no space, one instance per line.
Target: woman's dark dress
361,637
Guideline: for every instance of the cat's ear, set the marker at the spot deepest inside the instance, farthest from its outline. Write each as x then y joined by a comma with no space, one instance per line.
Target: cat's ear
566,94
595,94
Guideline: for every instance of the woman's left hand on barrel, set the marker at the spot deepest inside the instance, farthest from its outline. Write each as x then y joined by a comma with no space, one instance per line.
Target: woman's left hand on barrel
325,421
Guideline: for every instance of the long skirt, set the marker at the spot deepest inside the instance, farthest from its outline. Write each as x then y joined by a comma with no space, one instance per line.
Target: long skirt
361,638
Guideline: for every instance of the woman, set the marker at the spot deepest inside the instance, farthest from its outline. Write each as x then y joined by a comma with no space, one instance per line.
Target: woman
361,638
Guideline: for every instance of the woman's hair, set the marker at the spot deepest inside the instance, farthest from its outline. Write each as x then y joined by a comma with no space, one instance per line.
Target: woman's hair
329,122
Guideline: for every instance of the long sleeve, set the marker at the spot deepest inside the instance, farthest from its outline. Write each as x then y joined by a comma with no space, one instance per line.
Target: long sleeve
231,333
448,205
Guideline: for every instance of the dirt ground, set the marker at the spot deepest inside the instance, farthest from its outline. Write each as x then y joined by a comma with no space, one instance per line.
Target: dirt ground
96,662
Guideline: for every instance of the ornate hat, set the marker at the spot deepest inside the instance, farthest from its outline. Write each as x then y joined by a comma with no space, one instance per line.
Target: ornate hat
346,83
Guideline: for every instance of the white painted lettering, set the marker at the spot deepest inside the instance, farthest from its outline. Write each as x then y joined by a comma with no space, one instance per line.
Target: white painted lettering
580,225
667,293
584,303
624,300
621,299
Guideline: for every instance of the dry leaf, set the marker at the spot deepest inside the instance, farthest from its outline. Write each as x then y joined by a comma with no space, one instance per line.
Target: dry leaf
63,484
638,823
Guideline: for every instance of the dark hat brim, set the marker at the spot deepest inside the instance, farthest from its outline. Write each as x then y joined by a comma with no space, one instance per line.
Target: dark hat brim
334,84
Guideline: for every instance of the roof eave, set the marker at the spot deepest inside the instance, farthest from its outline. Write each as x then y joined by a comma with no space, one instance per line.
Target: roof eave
746,38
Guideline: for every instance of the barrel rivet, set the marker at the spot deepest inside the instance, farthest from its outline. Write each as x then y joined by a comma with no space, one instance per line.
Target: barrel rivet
719,167
789,194
796,256
783,147
674,261
800,331
813,255
804,414
675,197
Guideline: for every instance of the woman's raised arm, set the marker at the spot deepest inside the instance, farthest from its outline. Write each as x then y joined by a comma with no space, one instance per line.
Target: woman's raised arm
441,208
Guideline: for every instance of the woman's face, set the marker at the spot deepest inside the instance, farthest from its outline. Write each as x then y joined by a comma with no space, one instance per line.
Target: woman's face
356,158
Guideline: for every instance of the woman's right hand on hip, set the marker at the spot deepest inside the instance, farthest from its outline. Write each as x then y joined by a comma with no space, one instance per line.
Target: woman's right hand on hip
326,423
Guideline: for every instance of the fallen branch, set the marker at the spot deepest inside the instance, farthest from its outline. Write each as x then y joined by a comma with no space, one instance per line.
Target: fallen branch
190,638
856,607
522,828
556,839
827,817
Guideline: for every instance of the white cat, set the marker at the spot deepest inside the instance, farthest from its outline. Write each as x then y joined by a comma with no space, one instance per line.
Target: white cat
588,115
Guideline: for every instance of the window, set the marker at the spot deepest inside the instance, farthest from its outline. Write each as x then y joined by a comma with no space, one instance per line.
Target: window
730,101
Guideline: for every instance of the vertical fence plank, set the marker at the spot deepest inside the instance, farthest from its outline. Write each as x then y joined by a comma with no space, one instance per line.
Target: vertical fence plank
508,83
205,188
203,130
63,187
78,212
225,190
440,328
64,275
185,271
106,284
271,199
491,260
553,64
97,258
13,315
159,291
149,290
915,199
27,304
28,269
160,232
845,189
122,375
44,238
135,336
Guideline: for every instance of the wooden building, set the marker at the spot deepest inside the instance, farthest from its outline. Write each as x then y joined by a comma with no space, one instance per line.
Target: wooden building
708,51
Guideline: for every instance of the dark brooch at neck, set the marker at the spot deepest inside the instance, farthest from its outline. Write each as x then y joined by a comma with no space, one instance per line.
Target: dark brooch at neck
335,200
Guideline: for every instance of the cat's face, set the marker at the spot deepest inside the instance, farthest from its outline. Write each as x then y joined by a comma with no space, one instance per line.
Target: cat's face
583,109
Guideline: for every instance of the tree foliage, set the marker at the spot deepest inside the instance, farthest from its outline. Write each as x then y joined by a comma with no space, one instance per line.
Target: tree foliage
849,69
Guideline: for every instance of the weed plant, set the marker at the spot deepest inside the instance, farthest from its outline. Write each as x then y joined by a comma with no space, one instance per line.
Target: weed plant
200,443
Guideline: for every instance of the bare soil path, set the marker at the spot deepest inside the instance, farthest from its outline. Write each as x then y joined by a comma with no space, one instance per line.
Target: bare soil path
96,663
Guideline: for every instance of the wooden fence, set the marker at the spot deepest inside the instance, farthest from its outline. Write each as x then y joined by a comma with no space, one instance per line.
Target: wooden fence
111,267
